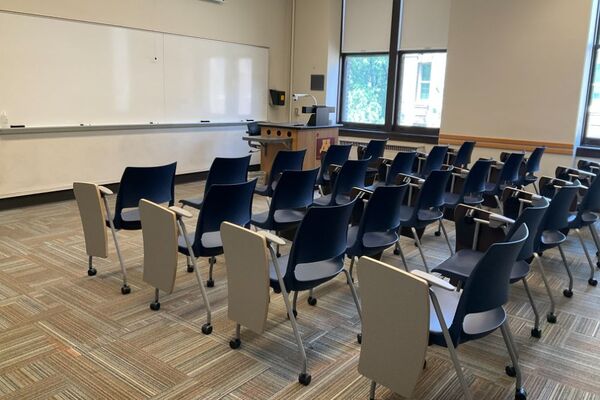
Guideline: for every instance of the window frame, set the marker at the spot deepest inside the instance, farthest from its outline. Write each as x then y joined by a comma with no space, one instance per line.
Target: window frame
586,141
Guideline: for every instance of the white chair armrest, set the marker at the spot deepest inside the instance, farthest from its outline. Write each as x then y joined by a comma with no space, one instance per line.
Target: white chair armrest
433,280
104,191
180,212
497,220
271,237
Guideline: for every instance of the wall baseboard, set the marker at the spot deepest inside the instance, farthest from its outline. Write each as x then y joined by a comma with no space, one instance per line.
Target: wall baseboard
64,195
507,144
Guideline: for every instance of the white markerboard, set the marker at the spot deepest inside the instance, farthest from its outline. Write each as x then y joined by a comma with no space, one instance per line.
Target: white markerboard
57,72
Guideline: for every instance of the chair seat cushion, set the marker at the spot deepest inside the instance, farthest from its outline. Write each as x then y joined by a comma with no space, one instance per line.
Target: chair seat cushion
519,271
315,271
209,240
372,242
451,200
460,265
261,189
130,214
585,218
323,200
280,217
194,203
552,238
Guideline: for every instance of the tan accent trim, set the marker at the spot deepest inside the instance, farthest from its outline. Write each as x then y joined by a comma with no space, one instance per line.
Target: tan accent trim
507,144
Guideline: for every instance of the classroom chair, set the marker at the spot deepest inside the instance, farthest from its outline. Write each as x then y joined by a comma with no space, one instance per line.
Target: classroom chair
350,175
378,227
284,160
433,161
532,165
161,228
153,183
232,203
508,175
389,169
337,154
461,158
373,150
222,171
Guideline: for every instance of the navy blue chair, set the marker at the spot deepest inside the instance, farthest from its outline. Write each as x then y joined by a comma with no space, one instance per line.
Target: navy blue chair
586,216
291,198
462,157
337,154
378,226
351,175
460,266
231,203
507,177
223,171
373,150
317,253
556,221
401,164
532,165
477,310
285,160
426,210
434,160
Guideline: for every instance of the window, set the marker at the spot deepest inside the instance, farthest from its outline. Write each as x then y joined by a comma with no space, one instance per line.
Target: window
421,89
365,88
592,118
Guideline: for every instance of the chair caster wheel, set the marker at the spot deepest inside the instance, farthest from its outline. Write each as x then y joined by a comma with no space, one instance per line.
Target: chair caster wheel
592,282
155,306
568,293
416,244
210,283
536,333
598,264
278,254
312,301
190,268
295,314
551,318
396,252
510,371
125,289
304,378
359,338
520,394
437,233
92,271
207,329
235,343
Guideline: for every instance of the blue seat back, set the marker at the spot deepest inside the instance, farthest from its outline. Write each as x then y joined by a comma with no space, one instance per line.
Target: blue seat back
475,181
434,160
336,154
351,175
510,170
374,149
591,198
231,203
294,190
558,212
531,216
286,160
487,287
432,191
225,171
321,236
402,164
156,184
463,155
534,160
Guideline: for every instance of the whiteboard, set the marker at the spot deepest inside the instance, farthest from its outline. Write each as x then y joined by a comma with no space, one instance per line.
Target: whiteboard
57,72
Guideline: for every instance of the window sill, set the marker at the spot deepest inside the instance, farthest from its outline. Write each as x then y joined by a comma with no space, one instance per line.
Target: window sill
588,151
416,135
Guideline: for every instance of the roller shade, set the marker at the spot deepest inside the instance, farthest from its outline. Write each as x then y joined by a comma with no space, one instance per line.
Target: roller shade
367,26
424,24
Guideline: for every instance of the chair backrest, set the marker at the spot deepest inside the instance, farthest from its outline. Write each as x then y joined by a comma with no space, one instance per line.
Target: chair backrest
335,154
322,235
253,129
534,160
463,155
93,218
382,213
247,265
225,171
434,160
402,164
374,149
475,181
591,198
531,216
351,175
156,184
558,212
159,230
294,190
286,160
432,191
231,203
395,325
510,169
487,287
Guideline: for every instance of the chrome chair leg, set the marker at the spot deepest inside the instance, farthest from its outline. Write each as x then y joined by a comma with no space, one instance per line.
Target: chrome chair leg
514,357
351,269
591,281
596,242
207,327
535,187
304,377
155,306
446,237
420,247
372,391
551,316
125,289
190,265
91,270
356,302
567,292
450,345
211,264
500,207
535,332
398,251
